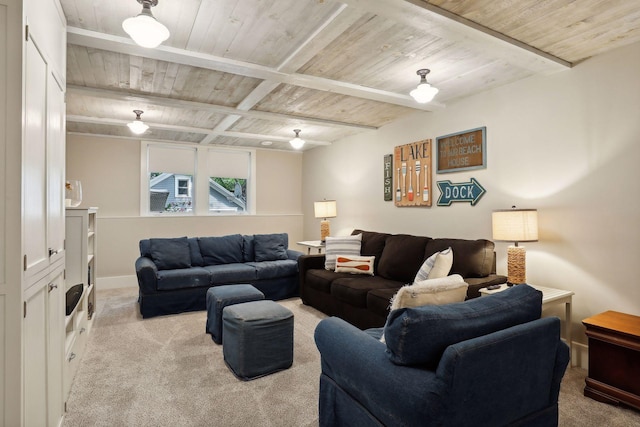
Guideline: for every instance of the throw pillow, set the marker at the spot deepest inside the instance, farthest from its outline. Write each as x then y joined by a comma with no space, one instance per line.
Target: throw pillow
346,245
443,290
221,250
355,264
429,264
270,247
169,254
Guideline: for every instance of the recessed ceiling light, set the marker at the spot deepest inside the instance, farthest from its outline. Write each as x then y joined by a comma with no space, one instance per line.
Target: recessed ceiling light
266,143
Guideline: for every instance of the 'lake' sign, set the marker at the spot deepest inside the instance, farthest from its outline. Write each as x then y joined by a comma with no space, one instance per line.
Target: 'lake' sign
470,191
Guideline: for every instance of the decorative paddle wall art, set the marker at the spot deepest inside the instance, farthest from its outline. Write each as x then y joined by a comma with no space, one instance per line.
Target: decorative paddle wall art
470,192
462,151
412,174
388,177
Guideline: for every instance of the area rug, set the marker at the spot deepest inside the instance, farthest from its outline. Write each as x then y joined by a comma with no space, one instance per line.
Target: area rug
166,371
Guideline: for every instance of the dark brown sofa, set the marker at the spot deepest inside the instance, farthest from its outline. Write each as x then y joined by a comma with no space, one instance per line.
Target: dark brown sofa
363,300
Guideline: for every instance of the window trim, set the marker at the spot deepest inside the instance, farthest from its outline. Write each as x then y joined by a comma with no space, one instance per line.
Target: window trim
177,179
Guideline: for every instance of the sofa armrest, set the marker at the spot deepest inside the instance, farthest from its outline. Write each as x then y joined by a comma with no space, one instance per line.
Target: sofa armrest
293,254
147,273
305,263
357,363
477,283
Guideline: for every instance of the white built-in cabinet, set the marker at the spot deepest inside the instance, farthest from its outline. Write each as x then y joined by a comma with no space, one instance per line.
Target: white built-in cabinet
81,256
32,220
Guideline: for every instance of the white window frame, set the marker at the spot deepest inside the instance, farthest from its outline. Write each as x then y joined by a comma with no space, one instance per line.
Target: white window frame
200,182
178,178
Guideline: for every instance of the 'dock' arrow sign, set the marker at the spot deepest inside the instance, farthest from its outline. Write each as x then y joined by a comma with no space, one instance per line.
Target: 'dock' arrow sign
462,192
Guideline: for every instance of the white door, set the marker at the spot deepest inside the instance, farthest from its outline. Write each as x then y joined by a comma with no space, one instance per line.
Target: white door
55,169
55,346
35,355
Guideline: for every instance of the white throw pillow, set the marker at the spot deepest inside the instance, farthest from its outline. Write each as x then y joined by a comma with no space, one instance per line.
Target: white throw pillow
346,245
354,264
437,265
443,290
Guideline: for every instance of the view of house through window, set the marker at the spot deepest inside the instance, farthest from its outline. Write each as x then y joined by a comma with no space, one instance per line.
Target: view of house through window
174,181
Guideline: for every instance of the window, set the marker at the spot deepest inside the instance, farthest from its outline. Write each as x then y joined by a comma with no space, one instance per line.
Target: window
174,177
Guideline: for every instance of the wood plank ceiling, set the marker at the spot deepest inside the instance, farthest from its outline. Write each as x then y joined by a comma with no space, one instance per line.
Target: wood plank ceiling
239,72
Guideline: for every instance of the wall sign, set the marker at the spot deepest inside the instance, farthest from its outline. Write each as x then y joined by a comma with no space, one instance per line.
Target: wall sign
388,177
470,191
462,151
412,174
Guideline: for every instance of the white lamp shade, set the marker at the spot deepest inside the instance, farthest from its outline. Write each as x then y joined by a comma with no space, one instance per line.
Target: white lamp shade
145,30
138,127
297,142
515,225
424,93
325,209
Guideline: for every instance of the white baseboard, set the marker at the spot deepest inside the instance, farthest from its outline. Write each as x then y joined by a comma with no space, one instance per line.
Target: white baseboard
116,282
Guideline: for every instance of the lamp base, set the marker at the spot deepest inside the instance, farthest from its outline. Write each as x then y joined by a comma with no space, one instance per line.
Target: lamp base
516,265
324,230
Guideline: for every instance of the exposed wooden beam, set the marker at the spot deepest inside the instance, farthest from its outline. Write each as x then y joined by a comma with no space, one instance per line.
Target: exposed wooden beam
449,26
188,129
162,101
93,39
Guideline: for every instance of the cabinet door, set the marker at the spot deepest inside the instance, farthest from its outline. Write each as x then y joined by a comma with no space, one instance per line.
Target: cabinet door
55,169
34,170
35,355
55,346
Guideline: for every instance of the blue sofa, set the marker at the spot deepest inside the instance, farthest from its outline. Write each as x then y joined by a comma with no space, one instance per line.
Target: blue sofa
174,274
489,361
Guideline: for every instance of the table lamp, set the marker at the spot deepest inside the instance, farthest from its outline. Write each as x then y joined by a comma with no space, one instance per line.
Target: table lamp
325,209
515,225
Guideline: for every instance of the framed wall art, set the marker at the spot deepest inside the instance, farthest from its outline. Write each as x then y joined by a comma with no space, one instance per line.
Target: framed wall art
462,151
412,174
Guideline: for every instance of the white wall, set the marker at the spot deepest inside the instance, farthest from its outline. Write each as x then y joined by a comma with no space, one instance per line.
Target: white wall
567,144
109,170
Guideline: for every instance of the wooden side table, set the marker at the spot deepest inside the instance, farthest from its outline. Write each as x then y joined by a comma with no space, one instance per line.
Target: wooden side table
614,358
550,296
316,244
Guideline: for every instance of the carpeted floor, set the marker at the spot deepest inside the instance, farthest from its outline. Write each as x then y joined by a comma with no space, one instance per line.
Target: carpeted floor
166,371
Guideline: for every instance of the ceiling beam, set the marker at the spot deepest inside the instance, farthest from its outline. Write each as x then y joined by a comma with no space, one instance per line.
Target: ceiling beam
449,26
188,129
96,40
162,101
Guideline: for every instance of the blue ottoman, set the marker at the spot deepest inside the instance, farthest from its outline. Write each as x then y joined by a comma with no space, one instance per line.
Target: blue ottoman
258,338
218,297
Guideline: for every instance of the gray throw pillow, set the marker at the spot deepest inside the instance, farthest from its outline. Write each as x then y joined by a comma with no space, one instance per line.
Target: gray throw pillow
169,254
270,247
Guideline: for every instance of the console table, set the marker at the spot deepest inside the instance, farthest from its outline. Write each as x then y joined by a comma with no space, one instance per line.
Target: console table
614,358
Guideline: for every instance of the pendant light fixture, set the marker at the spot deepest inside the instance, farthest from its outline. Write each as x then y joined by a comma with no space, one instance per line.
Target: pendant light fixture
138,126
144,29
424,92
297,142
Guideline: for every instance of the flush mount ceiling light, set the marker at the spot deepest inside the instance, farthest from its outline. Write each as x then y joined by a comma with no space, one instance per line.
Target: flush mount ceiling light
424,92
137,126
144,29
297,142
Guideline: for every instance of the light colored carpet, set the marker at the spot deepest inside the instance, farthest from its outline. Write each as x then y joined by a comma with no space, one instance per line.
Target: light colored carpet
166,371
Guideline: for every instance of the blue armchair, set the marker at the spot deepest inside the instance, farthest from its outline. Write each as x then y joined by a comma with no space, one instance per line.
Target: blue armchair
489,361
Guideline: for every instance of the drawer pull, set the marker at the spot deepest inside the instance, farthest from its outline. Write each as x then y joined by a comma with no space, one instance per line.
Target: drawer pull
82,330
72,356
52,286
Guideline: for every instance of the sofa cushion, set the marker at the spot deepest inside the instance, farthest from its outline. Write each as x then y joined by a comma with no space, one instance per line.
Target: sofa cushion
355,264
372,244
275,269
223,274
169,254
270,247
343,245
194,249
248,254
194,277
353,289
402,257
320,279
471,258
419,335
442,290
379,300
221,250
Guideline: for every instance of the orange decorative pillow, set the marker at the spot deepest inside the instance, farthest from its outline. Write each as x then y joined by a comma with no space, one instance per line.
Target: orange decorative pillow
354,264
